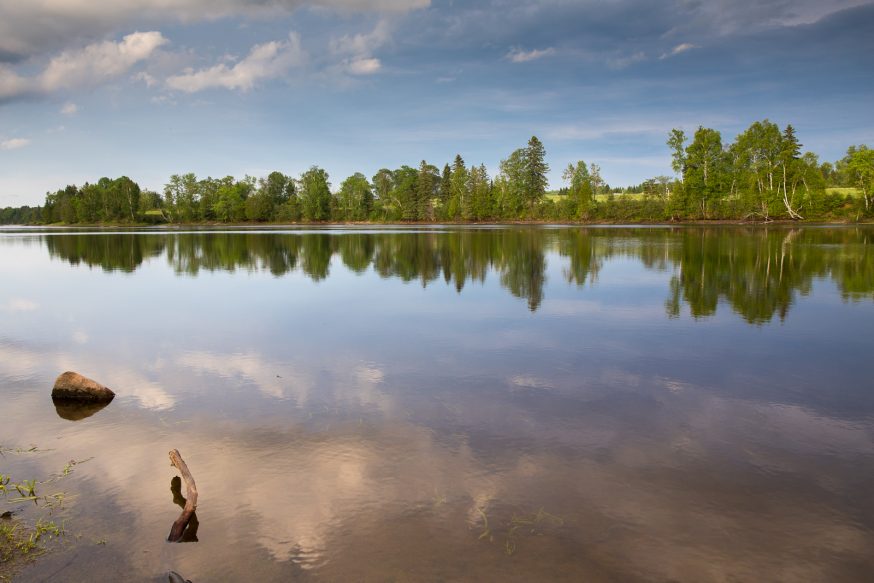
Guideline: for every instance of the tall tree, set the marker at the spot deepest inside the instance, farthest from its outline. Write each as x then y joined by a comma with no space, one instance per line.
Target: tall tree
315,195
677,144
705,169
355,198
790,154
458,188
579,188
536,169
859,166
428,185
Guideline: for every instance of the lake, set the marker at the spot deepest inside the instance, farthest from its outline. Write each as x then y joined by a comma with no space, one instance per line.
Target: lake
447,403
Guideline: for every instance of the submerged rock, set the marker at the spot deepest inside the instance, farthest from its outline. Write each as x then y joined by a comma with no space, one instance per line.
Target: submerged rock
72,385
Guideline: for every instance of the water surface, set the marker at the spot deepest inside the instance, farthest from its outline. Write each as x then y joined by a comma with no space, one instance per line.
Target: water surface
517,404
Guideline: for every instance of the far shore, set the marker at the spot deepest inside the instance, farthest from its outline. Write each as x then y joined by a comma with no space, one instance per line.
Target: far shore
269,225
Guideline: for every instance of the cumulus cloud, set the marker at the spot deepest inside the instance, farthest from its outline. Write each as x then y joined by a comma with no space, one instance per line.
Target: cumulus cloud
362,43
364,66
264,61
356,51
85,67
70,109
14,143
33,27
519,56
680,48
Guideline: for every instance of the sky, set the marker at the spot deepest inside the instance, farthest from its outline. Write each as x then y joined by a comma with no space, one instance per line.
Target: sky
150,88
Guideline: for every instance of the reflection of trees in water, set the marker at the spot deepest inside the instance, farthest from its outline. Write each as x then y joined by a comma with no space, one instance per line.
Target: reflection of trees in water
757,271
112,252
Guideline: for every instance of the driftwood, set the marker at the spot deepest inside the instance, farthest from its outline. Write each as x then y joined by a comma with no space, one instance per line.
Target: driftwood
191,497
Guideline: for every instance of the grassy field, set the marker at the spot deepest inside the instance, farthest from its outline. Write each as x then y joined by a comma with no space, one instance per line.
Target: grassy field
843,191
600,197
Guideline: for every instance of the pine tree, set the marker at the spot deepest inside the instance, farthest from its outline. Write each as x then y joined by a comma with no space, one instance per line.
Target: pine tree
535,172
458,188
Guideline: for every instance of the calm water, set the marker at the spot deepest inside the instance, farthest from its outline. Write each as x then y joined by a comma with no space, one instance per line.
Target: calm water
508,404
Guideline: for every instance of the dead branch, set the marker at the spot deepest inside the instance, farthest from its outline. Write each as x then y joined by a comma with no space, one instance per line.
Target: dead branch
191,497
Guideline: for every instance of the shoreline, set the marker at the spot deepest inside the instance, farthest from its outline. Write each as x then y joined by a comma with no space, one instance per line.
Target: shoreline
534,222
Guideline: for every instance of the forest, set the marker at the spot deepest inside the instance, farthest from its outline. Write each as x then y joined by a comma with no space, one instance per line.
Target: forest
763,175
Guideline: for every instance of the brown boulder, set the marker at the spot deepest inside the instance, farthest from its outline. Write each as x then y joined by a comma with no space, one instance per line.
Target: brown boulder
72,385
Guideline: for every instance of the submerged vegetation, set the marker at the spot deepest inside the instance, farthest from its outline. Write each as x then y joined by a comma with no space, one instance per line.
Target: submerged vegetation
23,538
763,175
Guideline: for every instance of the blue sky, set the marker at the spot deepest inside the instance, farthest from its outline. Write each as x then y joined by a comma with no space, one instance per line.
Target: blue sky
148,88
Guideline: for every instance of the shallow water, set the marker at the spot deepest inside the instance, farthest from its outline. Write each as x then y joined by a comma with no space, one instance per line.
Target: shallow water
514,404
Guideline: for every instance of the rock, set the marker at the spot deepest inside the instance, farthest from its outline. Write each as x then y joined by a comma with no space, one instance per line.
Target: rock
72,385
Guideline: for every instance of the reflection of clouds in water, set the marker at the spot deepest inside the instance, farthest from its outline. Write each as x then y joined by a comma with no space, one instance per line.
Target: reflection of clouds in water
369,374
529,382
273,379
123,381
601,310
16,361
351,382
19,305
312,496
21,363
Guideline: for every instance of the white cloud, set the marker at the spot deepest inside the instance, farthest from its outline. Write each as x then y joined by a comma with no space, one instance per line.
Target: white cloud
680,48
146,78
264,61
85,67
37,26
364,66
100,60
70,109
517,55
364,43
14,143
358,50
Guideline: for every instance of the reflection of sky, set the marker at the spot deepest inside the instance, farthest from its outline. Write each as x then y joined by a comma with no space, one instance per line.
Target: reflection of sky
355,425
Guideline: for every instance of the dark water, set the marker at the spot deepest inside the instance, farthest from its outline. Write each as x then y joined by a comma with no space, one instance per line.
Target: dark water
495,404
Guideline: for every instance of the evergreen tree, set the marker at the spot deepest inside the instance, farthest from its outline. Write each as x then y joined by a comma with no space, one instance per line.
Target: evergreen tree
535,173
457,188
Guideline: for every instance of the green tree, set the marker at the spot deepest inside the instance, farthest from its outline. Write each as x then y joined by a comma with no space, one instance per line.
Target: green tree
458,188
510,185
859,168
757,164
677,144
536,169
428,187
355,198
790,156
705,170
315,195
579,188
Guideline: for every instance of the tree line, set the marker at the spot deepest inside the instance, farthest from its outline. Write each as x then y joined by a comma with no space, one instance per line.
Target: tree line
762,175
